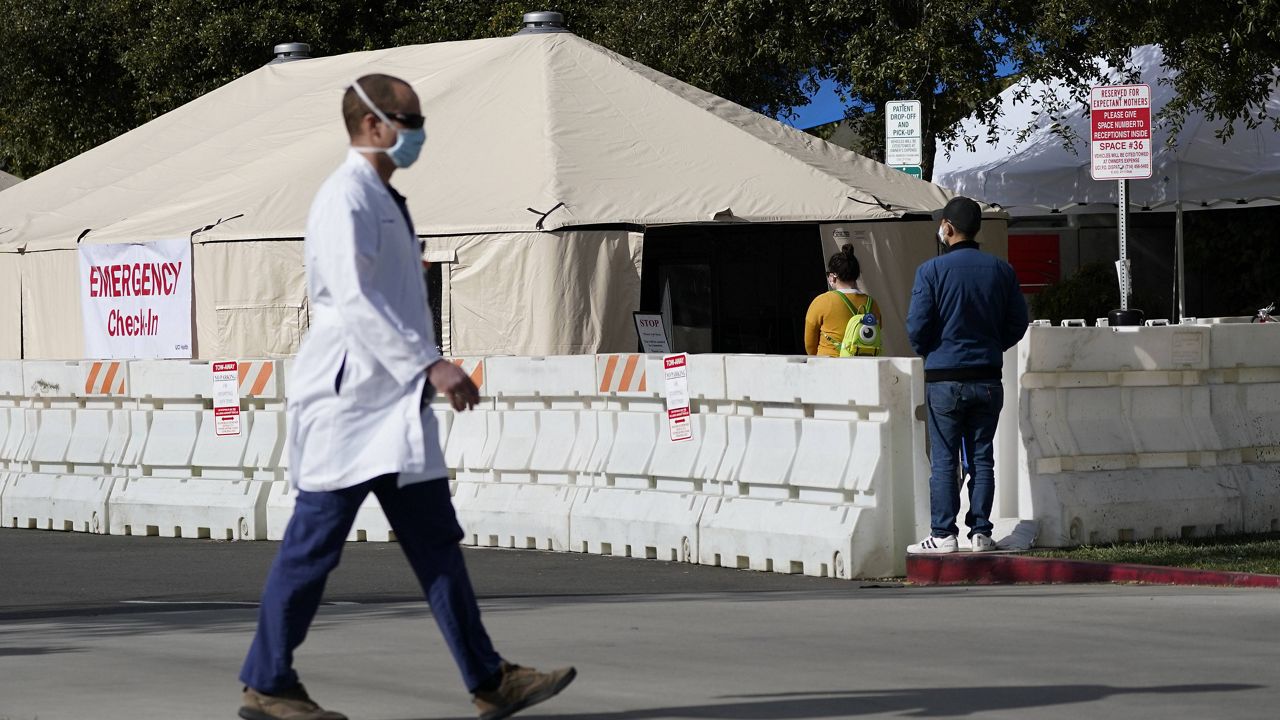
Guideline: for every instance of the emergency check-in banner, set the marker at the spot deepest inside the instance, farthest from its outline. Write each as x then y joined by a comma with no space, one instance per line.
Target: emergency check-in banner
136,299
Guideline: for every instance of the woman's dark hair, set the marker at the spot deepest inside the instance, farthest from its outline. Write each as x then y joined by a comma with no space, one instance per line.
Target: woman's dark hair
845,265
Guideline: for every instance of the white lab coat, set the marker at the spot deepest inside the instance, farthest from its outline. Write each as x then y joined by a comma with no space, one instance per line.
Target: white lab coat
355,393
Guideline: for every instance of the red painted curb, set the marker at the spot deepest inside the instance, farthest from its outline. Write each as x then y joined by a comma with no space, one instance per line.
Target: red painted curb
999,569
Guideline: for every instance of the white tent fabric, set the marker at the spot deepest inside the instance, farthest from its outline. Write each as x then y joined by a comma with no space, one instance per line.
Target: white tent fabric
902,245
529,121
599,270
1039,175
538,137
10,307
7,180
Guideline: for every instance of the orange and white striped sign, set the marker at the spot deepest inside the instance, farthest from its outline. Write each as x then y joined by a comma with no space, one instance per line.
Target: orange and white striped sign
621,373
473,367
255,377
105,377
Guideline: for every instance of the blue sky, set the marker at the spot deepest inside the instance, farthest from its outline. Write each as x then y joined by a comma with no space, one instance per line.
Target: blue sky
824,107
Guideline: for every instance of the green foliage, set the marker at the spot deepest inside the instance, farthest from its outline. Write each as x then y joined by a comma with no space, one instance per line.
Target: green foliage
61,81
1222,55
1090,293
1232,261
75,73
948,54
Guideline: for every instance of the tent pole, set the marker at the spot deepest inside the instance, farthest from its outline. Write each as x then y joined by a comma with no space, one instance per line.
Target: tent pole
1179,271
1122,188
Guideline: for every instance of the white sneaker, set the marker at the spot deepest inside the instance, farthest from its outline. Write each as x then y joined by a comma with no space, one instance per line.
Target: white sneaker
982,543
934,546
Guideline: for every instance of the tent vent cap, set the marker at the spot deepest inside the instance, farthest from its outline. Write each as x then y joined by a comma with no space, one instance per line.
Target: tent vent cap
288,52
542,22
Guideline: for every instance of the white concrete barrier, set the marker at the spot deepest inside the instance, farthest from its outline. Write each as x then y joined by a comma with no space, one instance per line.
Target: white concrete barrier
533,383
59,382
171,441
264,451
39,501
180,382
636,523
830,448
12,429
625,376
515,515
105,379
473,441
88,440
29,419
553,456
797,538
4,487
53,436
183,478
221,456
12,388
12,393
811,465
189,507
1138,433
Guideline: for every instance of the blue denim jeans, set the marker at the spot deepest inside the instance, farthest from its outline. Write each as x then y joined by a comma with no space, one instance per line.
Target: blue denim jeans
962,427
426,527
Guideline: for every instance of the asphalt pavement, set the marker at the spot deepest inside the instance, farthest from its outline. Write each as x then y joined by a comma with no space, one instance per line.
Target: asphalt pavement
115,627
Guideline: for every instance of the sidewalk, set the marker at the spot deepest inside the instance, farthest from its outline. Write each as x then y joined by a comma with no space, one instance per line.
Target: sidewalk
982,653
966,568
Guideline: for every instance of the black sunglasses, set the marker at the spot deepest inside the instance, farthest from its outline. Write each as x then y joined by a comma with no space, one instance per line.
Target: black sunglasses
412,122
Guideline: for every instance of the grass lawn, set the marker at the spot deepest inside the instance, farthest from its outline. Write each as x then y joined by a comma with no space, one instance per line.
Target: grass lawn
1236,553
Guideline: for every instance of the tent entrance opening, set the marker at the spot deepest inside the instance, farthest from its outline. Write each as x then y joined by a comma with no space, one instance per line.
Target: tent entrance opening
732,289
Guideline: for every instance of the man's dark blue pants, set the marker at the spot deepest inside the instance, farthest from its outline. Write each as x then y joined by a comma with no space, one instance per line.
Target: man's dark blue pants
423,519
962,420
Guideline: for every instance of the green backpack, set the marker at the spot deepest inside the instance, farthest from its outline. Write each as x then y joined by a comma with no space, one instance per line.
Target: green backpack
861,333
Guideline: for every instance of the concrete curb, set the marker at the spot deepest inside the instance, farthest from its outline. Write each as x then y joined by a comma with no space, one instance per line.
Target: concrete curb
1004,569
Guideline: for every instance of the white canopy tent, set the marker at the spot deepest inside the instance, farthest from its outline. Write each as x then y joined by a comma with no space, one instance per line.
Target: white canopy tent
10,297
1040,176
546,158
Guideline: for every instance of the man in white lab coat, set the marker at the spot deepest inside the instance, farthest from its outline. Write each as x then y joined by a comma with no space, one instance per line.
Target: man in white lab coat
360,422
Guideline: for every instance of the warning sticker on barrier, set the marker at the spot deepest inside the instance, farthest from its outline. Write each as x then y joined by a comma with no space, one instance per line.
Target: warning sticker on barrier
676,368
226,398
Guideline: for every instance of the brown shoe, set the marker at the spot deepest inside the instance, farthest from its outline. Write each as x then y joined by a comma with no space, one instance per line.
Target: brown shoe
520,688
293,704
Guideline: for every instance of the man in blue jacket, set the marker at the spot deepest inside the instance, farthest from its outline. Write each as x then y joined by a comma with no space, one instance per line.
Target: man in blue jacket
966,310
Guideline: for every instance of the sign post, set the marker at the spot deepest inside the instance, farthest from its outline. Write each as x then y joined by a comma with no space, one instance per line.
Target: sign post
1120,150
903,140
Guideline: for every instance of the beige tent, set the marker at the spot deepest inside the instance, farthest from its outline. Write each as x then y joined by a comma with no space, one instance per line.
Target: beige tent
549,160
10,297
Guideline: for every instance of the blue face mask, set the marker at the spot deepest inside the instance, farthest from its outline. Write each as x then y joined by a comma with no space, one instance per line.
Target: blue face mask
407,148
408,145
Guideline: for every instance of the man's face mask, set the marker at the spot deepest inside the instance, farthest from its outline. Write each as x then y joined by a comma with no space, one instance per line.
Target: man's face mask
942,236
408,143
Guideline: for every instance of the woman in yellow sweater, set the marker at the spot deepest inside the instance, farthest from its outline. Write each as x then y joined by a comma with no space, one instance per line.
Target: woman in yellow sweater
829,313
